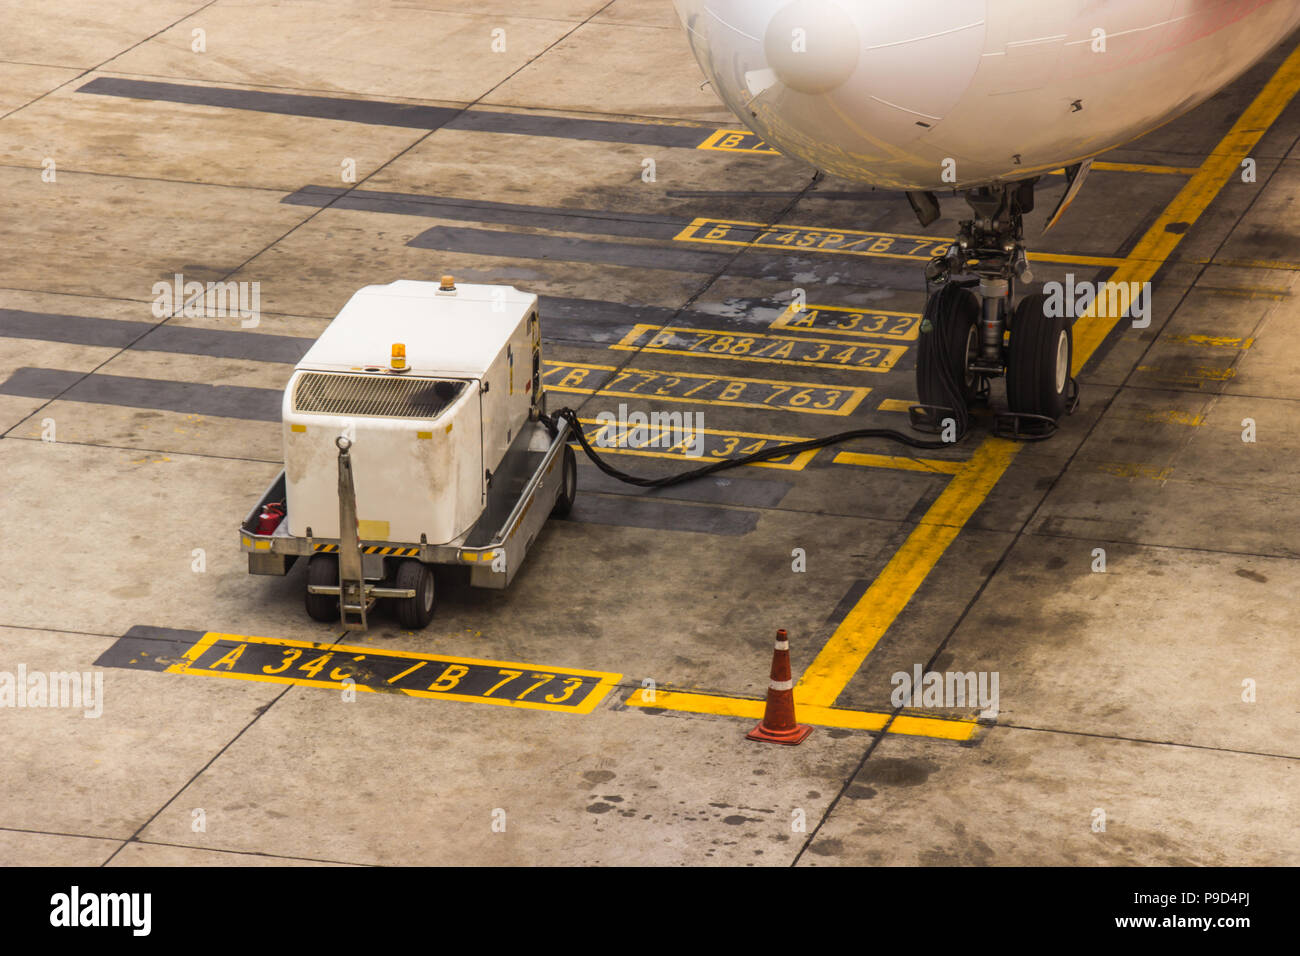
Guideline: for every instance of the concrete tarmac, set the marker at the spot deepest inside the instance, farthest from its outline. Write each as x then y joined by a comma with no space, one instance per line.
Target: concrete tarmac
1131,583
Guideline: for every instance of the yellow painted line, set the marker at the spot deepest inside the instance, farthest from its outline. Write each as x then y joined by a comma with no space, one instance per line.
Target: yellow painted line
897,461
876,610
1104,262
1152,168
193,653
910,724
1221,167
895,405
1213,341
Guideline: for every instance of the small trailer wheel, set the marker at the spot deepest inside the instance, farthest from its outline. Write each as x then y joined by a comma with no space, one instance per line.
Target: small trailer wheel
568,484
415,612
323,569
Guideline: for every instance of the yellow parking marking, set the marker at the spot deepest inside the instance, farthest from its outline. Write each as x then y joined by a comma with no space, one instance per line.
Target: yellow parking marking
932,466
714,444
701,389
1220,168
760,347
341,666
843,320
943,728
895,405
851,242
1213,341
876,611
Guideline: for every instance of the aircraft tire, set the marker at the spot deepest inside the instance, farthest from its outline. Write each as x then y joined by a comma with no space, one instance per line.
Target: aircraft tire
1039,363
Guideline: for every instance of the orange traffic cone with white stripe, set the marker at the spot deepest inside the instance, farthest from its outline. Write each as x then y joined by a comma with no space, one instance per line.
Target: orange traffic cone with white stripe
778,725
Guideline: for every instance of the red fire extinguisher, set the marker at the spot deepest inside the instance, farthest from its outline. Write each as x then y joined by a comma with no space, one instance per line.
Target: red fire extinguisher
270,517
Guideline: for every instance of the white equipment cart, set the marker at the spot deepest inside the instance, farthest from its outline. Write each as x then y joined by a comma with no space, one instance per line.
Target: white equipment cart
413,437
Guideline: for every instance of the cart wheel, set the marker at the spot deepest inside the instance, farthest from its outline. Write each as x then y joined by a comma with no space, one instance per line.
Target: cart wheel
323,569
414,613
569,484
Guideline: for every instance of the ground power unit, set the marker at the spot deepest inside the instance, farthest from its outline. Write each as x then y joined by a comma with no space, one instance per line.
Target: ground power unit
413,436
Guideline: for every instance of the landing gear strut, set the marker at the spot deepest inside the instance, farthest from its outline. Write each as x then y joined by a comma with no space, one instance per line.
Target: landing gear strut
963,342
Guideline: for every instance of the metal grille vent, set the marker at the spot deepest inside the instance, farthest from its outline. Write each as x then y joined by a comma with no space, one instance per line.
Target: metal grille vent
383,396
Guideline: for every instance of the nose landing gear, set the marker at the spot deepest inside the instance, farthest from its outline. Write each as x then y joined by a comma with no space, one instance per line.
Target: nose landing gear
966,340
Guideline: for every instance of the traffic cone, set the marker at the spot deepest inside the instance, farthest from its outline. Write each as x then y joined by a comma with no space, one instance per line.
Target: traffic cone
778,725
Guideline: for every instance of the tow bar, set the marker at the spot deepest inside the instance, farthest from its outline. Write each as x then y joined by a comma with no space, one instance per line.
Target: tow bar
355,596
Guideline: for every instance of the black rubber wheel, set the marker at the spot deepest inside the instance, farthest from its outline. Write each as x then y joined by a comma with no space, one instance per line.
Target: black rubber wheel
414,613
959,344
323,569
1038,366
568,484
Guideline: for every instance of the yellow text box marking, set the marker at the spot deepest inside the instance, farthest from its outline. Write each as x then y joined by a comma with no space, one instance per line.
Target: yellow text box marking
852,242
859,323
695,388
371,669
760,347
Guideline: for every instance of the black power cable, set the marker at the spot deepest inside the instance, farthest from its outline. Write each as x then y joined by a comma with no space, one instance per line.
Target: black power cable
776,451
940,313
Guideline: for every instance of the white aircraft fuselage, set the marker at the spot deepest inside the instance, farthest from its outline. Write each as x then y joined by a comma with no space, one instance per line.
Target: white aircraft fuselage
952,94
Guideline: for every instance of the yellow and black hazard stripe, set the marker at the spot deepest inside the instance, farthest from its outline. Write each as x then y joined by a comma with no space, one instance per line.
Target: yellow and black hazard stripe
374,549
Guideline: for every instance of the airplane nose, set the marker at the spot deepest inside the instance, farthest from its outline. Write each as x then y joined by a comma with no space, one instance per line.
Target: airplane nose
812,46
